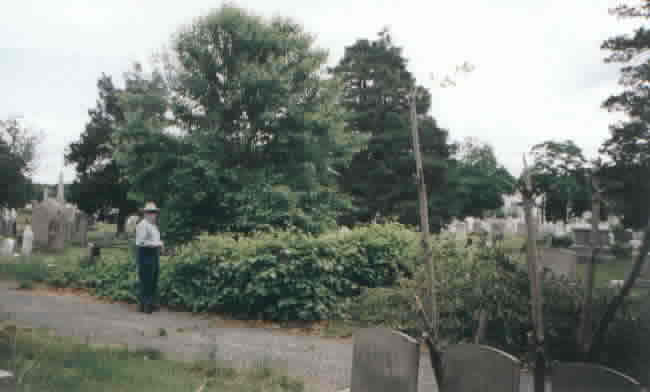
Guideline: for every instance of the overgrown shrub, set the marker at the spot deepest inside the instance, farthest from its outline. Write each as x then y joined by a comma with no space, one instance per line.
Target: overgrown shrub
479,278
285,275
279,275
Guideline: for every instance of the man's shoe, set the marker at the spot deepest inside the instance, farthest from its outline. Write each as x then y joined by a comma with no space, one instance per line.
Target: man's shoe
141,308
148,309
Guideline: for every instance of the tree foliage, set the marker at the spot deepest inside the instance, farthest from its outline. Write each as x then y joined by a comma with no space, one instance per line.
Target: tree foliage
100,185
380,177
477,182
628,146
239,130
560,174
17,162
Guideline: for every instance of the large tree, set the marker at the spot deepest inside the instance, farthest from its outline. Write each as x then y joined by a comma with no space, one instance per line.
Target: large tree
377,85
560,174
99,185
477,181
17,162
629,143
247,134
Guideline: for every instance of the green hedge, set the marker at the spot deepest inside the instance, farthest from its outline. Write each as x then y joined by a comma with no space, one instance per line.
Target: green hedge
272,276
285,276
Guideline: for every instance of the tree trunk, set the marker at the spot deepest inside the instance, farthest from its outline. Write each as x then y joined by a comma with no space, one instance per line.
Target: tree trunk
585,331
616,303
535,286
431,339
482,325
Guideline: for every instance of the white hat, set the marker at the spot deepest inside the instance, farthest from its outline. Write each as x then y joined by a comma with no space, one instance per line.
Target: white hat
150,207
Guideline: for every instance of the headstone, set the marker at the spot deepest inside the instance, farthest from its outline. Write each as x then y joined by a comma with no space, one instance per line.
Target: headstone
582,236
6,223
498,230
68,223
81,229
637,235
13,216
133,221
582,377
7,247
94,252
561,262
42,214
7,382
60,195
477,368
56,233
28,241
384,361
521,229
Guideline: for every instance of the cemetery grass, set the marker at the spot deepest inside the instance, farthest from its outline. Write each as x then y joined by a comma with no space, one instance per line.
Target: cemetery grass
42,362
616,269
40,267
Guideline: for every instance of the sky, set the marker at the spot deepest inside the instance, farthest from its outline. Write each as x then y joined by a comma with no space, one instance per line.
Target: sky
539,71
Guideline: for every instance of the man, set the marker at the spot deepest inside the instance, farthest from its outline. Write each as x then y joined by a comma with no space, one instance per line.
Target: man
148,246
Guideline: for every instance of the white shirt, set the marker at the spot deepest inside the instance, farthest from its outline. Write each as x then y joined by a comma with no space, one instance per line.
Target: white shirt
147,234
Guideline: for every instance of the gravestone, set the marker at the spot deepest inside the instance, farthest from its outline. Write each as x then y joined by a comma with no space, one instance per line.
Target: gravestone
582,377
81,229
562,262
69,223
42,215
384,361
7,247
56,232
477,368
14,219
498,230
7,382
28,241
522,231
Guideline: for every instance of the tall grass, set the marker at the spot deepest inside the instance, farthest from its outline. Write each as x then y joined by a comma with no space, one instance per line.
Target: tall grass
41,362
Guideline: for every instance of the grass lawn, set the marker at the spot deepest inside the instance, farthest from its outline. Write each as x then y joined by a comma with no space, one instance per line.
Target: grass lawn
42,362
608,270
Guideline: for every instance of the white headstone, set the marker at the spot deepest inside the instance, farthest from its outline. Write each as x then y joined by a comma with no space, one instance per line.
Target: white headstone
8,246
60,196
28,241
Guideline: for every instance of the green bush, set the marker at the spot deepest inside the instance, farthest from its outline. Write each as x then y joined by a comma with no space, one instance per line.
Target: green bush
480,278
275,276
285,275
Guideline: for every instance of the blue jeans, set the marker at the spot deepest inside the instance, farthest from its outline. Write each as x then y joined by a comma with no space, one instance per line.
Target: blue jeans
148,272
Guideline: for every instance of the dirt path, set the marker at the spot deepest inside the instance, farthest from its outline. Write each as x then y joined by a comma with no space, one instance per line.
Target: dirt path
323,363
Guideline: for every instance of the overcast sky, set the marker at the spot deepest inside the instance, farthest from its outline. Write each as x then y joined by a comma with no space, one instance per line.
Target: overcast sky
539,71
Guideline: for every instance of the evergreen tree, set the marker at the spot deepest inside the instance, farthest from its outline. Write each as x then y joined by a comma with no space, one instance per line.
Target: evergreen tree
380,177
99,185
628,145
